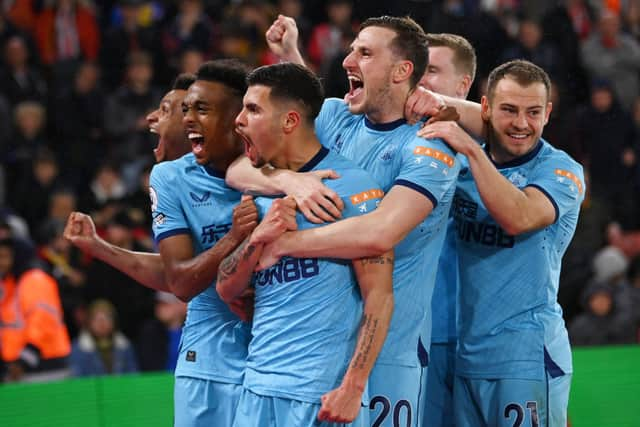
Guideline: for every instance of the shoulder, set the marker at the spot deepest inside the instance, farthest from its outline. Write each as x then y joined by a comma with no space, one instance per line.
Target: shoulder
551,156
36,277
172,168
350,173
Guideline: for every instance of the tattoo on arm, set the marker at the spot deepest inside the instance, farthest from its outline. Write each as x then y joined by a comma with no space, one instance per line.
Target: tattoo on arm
229,265
377,260
365,341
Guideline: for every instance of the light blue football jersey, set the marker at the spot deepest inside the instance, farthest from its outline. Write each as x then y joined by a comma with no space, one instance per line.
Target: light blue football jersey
187,198
443,304
511,324
308,310
394,155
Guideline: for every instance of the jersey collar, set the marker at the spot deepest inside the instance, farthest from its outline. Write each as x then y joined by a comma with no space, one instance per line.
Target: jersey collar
518,160
214,172
320,155
383,126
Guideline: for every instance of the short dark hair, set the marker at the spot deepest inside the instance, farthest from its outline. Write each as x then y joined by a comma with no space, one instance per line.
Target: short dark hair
464,55
183,81
523,72
230,72
291,82
409,43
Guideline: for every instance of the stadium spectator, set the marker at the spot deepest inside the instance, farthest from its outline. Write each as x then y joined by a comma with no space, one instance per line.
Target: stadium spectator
21,81
129,36
34,343
327,38
31,195
158,345
614,56
607,320
612,176
101,349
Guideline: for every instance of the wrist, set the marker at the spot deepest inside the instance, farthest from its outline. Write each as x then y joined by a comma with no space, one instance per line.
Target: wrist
354,383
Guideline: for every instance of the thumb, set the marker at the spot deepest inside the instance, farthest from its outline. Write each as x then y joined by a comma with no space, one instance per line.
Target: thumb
246,197
327,174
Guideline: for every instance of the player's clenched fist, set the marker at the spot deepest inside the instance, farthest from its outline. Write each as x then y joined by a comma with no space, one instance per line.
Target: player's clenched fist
340,405
282,36
80,230
280,218
245,218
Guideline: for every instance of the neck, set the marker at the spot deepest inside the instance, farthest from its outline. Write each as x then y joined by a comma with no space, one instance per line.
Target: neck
300,148
392,108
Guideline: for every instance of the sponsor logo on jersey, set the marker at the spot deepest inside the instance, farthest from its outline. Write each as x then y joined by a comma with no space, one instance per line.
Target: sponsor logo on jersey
288,270
200,200
212,233
158,218
470,230
435,154
375,193
573,177
153,196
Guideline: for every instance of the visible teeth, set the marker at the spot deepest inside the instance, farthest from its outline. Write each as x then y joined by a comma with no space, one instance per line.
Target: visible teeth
194,135
518,136
153,130
354,79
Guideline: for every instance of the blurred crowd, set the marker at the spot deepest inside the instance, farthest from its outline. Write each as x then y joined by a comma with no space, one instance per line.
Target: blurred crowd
79,77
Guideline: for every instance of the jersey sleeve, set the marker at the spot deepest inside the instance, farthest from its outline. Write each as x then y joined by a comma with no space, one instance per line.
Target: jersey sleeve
166,210
562,181
429,166
358,190
334,116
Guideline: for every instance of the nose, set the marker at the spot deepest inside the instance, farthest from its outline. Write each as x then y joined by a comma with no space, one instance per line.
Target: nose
520,120
348,61
241,118
152,117
188,116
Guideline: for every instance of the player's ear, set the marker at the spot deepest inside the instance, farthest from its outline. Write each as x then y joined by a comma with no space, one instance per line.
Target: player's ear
402,71
485,108
290,121
547,112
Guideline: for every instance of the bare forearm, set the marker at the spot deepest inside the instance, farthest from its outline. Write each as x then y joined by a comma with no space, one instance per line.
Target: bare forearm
378,309
190,277
145,268
507,204
345,239
470,117
244,177
235,270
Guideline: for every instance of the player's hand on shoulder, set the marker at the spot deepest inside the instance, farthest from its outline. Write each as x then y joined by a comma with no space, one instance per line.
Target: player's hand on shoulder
80,230
282,36
451,133
245,218
280,218
340,405
317,202
422,103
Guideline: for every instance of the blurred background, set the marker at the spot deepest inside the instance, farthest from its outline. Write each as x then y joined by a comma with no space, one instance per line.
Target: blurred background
78,77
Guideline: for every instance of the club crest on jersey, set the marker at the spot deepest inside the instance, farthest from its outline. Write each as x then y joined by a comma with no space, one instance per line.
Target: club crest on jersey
153,196
517,179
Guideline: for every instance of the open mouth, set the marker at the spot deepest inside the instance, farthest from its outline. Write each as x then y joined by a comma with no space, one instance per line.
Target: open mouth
356,86
197,142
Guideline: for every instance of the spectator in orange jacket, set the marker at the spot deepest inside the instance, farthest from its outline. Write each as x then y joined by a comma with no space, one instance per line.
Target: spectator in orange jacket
34,343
